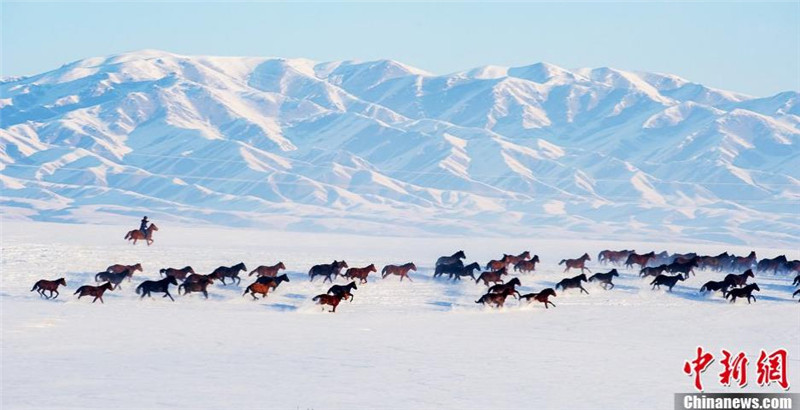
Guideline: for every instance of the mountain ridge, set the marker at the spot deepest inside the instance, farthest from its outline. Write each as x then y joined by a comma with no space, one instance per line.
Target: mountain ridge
341,145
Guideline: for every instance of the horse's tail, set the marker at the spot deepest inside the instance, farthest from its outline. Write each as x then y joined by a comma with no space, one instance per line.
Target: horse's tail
247,289
139,288
385,268
128,235
179,288
316,298
654,281
36,285
79,290
254,271
562,261
97,277
162,271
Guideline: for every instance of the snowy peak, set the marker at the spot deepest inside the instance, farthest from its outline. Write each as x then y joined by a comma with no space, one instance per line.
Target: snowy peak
308,145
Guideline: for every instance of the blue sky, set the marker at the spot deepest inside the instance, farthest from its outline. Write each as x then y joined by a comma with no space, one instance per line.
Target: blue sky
740,46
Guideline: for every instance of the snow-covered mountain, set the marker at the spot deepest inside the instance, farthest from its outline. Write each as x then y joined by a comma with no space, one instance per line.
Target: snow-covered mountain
382,147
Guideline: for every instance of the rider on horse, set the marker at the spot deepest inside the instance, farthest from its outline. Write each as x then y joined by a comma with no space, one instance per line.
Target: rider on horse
143,226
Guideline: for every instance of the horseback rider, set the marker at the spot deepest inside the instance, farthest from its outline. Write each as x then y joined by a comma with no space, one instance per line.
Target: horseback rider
143,226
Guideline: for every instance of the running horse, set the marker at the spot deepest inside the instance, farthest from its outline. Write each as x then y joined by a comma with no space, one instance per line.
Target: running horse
540,297
401,270
641,260
136,235
576,263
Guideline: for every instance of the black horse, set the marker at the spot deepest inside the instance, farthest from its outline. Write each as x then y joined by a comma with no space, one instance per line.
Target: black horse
273,281
327,270
683,267
231,272
468,270
157,286
448,269
713,286
652,271
571,283
666,280
604,278
746,291
449,260
343,291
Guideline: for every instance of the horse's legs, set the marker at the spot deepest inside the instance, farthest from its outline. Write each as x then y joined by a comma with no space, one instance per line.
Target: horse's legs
409,277
170,296
582,289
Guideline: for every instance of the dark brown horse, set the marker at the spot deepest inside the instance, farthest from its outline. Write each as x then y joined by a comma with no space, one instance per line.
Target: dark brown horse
136,235
400,270
527,265
641,260
344,291
231,272
199,286
50,286
360,273
576,263
268,270
667,280
196,277
540,297
327,270
96,291
496,265
492,276
605,278
325,299
121,268
157,286
573,283
746,291
513,260
508,286
496,299
114,278
744,262
615,257
179,274
740,279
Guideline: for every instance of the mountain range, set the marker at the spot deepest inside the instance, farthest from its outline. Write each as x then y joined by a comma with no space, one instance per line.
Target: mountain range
380,147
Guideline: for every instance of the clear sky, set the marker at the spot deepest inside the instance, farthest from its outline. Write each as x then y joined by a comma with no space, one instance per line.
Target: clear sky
740,46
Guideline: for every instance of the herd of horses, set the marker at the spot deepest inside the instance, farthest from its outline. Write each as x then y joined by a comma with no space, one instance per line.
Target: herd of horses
665,268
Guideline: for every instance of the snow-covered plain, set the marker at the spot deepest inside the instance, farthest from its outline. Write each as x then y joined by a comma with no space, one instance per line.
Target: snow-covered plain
420,344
